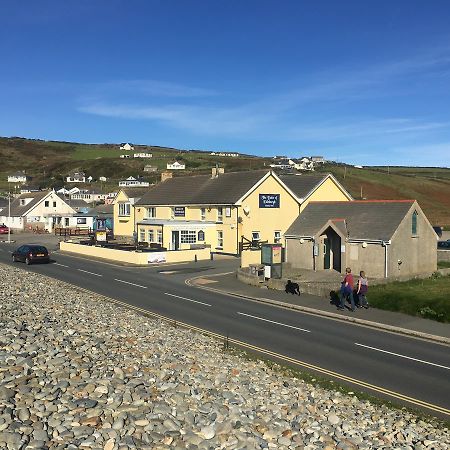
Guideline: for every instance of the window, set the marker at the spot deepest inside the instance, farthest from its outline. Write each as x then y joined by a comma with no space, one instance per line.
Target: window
160,236
151,212
219,214
47,203
151,236
188,237
201,236
228,211
124,209
277,237
414,223
141,235
255,236
202,213
54,204
220,239
81,220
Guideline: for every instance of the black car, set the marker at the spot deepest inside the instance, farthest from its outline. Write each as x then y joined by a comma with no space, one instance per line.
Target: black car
443,245
31,253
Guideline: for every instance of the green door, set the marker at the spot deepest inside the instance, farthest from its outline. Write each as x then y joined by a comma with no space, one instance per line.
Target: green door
326,253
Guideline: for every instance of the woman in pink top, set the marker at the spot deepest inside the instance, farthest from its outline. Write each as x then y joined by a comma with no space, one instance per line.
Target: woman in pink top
347,289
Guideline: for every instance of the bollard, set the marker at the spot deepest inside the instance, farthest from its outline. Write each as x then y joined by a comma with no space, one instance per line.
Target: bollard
195,258
212,256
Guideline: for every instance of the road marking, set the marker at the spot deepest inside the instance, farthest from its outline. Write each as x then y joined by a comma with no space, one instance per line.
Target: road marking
288,359
132,284
403,356
188,299
272,321
62,265
90,273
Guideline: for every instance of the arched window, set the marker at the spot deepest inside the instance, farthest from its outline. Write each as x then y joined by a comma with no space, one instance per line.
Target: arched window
414,223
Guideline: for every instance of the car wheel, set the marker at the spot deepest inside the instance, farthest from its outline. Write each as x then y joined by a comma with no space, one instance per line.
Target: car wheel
27,261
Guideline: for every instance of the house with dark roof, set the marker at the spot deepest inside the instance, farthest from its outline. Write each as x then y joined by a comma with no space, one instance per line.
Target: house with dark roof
42,209
385,238
19,177
225,210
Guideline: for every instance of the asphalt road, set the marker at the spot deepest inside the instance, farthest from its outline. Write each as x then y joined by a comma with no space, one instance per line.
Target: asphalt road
368,359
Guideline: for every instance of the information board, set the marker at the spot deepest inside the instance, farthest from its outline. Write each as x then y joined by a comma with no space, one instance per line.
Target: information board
179,211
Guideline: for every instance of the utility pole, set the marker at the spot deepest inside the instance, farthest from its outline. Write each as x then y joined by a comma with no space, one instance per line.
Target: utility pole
361,193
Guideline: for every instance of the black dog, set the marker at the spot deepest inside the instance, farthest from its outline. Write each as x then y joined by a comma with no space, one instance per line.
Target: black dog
292,288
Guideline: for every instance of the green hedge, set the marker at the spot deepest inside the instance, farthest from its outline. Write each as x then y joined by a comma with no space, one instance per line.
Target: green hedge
429,298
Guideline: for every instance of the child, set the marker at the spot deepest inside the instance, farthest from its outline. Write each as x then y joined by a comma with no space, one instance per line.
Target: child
361,292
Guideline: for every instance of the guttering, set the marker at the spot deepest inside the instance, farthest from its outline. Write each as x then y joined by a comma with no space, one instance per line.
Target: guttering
369,241
296,236
385,245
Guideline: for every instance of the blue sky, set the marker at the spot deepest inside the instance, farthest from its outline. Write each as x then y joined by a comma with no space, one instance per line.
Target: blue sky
355,81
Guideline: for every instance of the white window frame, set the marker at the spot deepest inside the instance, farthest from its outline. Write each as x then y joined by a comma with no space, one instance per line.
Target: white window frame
277,237
256,236
228,211
141,235
188,236
124,209
159,236
150,235
202,213
151,212
219,214
219,239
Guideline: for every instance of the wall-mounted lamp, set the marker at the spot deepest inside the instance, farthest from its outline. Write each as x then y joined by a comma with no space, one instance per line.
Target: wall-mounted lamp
302,241
364,244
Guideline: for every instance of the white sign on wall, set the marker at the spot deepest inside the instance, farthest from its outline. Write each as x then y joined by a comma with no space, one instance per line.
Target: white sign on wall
157,257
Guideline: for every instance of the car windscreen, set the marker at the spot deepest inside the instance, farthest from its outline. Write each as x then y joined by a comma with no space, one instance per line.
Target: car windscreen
38,249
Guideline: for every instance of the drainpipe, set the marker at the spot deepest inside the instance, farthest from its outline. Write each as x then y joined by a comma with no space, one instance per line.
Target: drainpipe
385,244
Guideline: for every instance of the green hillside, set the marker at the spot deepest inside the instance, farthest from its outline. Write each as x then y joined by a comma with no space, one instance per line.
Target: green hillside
48,162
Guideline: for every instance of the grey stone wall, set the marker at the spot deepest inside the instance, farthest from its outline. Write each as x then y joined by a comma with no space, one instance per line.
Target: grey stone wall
299,255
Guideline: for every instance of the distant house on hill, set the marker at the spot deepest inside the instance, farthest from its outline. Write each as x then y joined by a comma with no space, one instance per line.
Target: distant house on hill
176,166
228,154
125,156
143,155
126,146
18,177
76,177
133,182
150,168
102,178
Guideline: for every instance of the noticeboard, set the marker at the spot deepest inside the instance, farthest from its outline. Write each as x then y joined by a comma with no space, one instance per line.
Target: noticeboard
100,236
269,200
276,254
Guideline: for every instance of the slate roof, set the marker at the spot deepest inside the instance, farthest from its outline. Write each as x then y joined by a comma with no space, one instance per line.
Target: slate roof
17,210
135,192
102,210
226,189
302,185
370,219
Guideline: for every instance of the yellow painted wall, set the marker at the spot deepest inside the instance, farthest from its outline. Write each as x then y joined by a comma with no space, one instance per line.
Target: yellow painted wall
328,191
268,220
123,225
135,258
250,257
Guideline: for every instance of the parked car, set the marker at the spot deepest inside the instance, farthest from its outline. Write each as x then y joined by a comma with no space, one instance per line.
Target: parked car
442,245
31,253
3,229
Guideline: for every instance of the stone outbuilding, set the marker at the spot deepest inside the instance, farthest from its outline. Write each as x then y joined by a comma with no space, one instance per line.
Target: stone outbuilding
385,238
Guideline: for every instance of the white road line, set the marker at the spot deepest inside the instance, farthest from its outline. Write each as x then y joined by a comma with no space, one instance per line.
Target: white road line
90,273
188,299
272,321
133,284
403,356
62,265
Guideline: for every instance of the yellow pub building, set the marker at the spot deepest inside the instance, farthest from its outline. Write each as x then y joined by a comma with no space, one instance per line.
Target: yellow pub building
221,210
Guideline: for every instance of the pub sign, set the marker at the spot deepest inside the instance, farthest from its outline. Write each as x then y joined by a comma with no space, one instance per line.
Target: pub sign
179,211
269,200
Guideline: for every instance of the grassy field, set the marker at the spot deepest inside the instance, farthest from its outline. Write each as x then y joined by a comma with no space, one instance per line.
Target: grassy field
429,298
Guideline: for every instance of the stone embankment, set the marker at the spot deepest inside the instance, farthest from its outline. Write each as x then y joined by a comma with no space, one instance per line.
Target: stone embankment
77,371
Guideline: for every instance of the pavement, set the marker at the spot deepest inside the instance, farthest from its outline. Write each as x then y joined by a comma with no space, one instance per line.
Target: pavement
372,317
